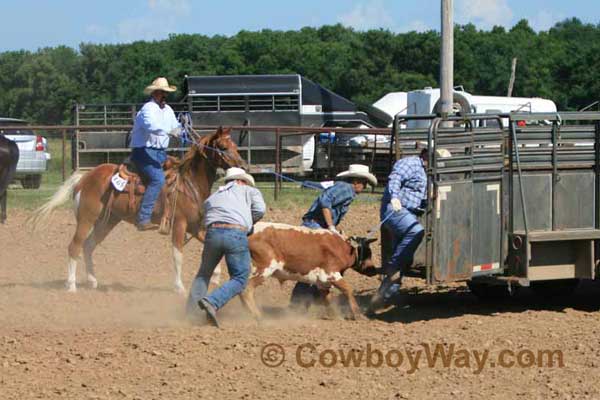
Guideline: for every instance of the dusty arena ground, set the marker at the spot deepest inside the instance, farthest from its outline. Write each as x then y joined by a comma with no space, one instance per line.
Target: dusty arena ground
129,340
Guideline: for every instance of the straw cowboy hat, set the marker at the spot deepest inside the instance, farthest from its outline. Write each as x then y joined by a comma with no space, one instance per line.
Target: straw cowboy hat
238,173
358,171
160,83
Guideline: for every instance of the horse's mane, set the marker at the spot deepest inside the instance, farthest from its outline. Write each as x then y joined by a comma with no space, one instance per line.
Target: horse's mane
195,151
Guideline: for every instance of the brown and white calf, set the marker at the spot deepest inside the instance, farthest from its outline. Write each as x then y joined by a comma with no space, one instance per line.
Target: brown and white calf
315,256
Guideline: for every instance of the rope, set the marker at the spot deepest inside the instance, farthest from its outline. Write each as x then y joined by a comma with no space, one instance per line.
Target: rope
190,131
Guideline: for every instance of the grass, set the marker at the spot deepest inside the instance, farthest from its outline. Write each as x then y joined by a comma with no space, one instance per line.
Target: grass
290,195
51,179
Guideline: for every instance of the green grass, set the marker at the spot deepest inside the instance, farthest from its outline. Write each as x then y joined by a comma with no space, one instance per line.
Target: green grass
51,179
291,195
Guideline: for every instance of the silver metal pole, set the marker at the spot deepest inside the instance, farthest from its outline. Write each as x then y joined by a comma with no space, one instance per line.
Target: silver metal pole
447,60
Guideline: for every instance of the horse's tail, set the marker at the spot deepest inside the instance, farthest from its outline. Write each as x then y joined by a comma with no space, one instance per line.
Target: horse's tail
40,216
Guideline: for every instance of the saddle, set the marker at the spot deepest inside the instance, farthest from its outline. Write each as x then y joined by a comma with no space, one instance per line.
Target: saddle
135,186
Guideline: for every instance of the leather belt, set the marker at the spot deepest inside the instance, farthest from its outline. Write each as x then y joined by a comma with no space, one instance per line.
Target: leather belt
228,226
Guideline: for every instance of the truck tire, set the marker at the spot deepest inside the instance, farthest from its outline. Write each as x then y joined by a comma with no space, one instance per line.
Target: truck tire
32,182
555,288
485,291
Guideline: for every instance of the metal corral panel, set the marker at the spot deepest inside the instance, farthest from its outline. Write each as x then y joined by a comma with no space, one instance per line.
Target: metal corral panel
574,200
486,227
453,213
538,200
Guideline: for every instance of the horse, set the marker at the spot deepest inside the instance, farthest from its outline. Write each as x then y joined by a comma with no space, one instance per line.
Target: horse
9,157
91,192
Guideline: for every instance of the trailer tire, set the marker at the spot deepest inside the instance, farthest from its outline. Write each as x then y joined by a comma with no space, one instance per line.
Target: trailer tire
555,288
489,292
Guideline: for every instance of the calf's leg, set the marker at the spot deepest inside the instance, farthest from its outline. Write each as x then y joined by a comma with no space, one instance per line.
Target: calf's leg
345,287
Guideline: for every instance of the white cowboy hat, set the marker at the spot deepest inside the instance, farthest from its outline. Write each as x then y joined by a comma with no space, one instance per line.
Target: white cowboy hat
238,173
160,83
441,153
358,171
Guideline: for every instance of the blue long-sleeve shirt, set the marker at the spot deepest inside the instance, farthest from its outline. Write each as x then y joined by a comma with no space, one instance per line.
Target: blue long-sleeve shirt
407,182
337,198
234,204
152,126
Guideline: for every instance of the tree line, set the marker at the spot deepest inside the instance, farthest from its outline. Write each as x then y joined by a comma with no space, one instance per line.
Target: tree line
560,64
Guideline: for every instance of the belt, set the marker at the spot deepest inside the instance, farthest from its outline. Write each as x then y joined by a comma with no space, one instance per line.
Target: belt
228,226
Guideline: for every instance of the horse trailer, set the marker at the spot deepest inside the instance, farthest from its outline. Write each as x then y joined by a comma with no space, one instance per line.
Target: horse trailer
509,206
244,100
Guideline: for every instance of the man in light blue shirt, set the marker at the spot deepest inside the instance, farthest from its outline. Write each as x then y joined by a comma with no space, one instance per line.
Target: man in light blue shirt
327,211
402,202
229,215
149,139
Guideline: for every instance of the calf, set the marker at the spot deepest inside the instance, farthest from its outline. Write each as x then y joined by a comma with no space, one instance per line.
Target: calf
315,256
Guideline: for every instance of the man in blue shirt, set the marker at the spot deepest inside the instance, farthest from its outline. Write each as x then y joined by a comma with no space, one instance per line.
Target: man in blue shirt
402,202
149,139
229,214
327,212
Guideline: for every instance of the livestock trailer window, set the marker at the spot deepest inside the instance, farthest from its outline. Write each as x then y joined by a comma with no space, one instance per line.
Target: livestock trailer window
286,103
260,103
205,103
222,103
232,103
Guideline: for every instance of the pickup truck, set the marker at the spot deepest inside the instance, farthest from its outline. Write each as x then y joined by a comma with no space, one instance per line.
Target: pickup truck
33,150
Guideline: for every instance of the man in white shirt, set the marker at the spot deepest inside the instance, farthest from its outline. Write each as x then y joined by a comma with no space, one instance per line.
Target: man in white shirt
149,139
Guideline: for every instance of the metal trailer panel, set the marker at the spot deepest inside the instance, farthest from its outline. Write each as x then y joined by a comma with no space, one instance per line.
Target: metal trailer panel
574,200
538,201
452,251
486,229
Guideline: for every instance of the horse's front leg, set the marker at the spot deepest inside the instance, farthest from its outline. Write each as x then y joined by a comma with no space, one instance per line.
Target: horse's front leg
3,197
178,241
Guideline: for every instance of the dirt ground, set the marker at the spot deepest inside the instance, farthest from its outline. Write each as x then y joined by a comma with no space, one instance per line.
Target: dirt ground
129,340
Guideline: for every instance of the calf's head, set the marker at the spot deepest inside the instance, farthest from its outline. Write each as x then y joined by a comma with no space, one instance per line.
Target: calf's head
363,263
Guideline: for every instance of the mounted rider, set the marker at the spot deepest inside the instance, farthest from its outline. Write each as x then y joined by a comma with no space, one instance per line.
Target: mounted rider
149,140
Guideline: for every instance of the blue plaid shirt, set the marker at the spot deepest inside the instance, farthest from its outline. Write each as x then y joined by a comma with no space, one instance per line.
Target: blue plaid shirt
337,198
407,182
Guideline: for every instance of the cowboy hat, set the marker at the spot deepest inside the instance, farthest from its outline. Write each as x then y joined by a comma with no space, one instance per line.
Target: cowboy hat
358,171
160,83
238,173
441,153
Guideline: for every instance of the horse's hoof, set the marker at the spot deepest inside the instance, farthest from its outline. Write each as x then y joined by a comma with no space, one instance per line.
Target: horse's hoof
93,282
179,289
71,287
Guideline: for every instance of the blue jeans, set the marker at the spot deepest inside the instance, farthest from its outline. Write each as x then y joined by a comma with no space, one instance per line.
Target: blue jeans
407,234
304,291
149,162
219,242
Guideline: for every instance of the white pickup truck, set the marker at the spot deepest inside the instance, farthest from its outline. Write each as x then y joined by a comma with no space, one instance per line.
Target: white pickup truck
33,152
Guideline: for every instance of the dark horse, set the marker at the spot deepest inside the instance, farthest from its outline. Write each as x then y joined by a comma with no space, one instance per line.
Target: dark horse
9,156
90,192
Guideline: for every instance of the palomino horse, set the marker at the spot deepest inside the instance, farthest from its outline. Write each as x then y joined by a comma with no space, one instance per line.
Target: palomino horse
90,192
9,157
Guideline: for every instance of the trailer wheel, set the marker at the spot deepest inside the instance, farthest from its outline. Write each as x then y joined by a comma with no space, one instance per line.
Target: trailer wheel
489,292
556,288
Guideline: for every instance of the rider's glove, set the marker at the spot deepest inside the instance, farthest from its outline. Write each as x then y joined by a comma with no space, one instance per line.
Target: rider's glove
396,204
